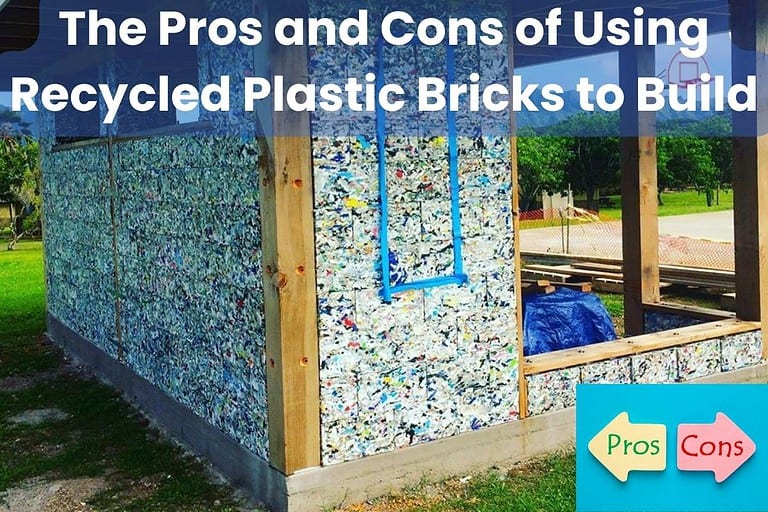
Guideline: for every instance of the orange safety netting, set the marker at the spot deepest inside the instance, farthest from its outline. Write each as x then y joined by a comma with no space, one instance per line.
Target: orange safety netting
579,232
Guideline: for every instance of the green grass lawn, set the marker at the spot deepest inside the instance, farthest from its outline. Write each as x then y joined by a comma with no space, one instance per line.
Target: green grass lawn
22,311
23,299
103,435
543,485
547,484
677,203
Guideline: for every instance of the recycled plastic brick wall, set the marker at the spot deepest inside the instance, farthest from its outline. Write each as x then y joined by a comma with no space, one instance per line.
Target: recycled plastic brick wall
179,257
79,244
557,389
188,235
435,362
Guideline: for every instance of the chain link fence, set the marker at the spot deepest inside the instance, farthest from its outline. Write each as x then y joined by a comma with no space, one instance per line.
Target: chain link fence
580,232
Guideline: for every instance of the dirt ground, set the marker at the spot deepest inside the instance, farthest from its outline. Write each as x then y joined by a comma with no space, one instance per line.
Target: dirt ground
43,494
70,444
52,496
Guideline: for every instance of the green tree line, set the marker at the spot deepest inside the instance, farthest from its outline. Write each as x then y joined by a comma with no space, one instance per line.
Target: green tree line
577,152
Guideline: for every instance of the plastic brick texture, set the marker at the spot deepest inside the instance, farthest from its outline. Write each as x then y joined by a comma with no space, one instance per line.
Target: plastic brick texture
433,363
187,234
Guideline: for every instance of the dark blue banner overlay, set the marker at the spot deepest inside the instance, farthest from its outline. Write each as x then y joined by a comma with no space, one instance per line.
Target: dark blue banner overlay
415,69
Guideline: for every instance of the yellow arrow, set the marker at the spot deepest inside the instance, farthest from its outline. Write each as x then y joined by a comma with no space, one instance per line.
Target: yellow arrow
623,447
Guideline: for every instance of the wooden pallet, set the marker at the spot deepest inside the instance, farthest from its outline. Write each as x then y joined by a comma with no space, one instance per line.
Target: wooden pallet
608,285
553,277
538,286
576,272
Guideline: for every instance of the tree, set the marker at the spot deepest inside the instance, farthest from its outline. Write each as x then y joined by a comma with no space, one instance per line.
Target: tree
541,162
687,161
11,122
595,157
27,221
718,131
668,177
19,179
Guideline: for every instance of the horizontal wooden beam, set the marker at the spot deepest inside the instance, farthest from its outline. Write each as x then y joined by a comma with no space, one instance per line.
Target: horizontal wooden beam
516,441
637,345
565,259
162,131
690,311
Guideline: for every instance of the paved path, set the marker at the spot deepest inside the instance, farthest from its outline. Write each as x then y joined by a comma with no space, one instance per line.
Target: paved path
700,240
717,226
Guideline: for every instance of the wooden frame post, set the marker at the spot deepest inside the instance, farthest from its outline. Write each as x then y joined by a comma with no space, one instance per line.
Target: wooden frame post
290,300
639,192
749,19
522,387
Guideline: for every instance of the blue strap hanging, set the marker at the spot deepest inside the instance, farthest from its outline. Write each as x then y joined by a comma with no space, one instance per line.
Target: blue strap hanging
458,277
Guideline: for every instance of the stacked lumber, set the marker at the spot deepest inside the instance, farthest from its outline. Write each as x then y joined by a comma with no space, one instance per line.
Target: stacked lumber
540,287
699,277
610,276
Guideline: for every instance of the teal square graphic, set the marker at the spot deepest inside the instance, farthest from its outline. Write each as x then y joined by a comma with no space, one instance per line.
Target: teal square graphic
672,490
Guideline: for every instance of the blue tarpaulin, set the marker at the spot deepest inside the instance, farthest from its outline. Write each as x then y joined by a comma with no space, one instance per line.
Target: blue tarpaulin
564,319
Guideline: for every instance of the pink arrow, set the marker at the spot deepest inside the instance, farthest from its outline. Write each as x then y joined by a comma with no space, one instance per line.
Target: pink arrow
721,447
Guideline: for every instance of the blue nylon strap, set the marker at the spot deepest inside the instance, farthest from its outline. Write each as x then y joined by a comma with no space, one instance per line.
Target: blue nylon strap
429,283
453,163
459,277
386,291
